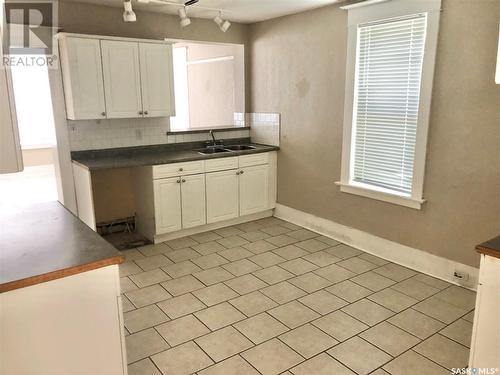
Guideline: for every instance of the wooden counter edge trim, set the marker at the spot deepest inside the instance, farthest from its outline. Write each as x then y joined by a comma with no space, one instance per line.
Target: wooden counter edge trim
54,275
487,251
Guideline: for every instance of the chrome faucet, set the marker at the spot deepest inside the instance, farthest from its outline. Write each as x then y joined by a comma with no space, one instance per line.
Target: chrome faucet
214,142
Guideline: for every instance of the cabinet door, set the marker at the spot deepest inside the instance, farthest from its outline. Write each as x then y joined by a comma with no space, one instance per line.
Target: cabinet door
167,198
254,189
122,81
157,80
222,195
82,77
193,201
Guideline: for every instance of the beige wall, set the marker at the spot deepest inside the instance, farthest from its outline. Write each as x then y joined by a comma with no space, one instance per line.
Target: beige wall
298,69
86,18
38,156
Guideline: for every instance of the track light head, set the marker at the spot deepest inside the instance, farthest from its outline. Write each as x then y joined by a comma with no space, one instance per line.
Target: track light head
184,19
224,25
128,13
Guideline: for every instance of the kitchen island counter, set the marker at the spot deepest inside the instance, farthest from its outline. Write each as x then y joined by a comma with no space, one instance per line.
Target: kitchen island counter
44,242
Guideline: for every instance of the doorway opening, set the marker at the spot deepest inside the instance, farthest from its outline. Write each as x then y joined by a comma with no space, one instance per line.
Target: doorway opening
35,120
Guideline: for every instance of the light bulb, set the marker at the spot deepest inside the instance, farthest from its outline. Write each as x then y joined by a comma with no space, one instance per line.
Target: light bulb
184,19
225,26
128,13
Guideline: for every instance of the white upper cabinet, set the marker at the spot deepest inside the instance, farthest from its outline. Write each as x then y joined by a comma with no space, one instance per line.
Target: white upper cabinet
157,79
107,77
122,79
83,80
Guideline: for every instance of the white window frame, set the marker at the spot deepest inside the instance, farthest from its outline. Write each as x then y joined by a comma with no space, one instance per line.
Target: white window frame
374,11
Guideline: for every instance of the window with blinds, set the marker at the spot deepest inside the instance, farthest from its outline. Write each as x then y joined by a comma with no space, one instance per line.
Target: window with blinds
389,62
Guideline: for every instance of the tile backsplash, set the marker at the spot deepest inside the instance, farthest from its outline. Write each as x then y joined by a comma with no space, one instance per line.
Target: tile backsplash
264,127
102,134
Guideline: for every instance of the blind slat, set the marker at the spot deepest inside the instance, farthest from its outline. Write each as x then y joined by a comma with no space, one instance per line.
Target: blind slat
388,77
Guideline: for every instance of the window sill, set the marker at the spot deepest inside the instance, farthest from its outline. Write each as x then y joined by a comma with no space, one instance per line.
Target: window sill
381,196
206,130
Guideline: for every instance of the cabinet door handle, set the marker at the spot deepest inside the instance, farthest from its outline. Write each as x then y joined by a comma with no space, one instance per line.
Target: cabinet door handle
145,112
181,169
179,181
103,114
140,112
241,172
183,180
237,173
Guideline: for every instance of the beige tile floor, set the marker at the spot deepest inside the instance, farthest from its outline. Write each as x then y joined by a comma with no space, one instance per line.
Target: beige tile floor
269,297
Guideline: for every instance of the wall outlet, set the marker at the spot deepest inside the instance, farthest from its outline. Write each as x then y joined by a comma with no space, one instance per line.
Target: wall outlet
461,276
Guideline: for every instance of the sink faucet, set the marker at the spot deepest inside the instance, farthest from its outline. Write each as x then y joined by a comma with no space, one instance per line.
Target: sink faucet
214,142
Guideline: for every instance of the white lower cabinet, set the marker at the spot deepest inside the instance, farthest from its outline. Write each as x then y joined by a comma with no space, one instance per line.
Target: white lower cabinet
194,195
193,201
253,189
167,204
179,203
222,195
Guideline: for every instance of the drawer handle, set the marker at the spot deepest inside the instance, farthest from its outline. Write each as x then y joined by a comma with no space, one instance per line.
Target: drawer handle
181,169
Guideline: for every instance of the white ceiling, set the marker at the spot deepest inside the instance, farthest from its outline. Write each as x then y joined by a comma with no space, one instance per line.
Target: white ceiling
244,11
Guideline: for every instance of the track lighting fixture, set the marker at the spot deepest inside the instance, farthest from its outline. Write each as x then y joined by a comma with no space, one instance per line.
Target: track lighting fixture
128,13
184,19
224,25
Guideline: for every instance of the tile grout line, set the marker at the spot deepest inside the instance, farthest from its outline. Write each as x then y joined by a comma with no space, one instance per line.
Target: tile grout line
288,280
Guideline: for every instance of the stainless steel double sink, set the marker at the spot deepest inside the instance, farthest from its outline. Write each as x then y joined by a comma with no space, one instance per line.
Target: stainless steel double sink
219,149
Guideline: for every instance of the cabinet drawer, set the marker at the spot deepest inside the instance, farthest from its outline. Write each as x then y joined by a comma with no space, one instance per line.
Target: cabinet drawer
254,159
221,164
178,169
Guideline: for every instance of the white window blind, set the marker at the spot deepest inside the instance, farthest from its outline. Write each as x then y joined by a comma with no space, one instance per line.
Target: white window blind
386,100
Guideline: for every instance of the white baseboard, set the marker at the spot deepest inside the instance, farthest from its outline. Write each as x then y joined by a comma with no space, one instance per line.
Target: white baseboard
204,228
418,260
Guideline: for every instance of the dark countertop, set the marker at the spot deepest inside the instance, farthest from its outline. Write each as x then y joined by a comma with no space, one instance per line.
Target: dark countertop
491,247
45,241
156,155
